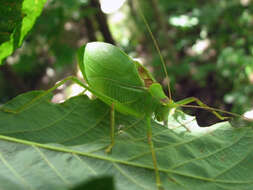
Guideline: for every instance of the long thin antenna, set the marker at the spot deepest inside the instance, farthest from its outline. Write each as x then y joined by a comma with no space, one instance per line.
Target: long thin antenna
159,52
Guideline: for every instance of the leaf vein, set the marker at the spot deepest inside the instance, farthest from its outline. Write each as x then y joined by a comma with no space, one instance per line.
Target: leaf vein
128,176
5,162
86,165
43,156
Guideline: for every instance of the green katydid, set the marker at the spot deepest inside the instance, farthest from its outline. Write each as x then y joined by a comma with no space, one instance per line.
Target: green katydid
126,86
129,88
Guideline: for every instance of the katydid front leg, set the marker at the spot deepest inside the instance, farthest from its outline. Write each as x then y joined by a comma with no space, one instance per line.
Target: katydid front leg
112,125
151,145
200,103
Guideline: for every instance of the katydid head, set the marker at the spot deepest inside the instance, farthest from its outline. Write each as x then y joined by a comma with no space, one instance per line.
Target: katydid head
165,104
162,113
164,109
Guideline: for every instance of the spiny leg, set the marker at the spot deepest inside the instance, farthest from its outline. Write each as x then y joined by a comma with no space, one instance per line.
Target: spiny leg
70,78
151,145
112,125
200,103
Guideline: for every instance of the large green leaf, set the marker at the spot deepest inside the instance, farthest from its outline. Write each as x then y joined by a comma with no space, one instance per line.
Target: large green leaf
57,146
17,19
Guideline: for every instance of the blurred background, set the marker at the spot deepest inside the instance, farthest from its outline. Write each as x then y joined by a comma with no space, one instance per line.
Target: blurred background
207,47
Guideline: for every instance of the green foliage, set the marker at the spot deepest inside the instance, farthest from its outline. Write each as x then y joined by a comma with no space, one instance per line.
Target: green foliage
48,46
64,144
17,19
236,63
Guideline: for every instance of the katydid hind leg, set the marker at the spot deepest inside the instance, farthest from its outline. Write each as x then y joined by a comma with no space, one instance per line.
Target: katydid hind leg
112,126
37,98
151,145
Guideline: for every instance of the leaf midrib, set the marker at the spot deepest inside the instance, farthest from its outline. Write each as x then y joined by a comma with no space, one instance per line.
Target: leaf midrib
60,149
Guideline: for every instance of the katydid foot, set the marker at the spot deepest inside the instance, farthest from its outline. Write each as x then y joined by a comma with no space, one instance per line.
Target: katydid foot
160,187
108,150
112,126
